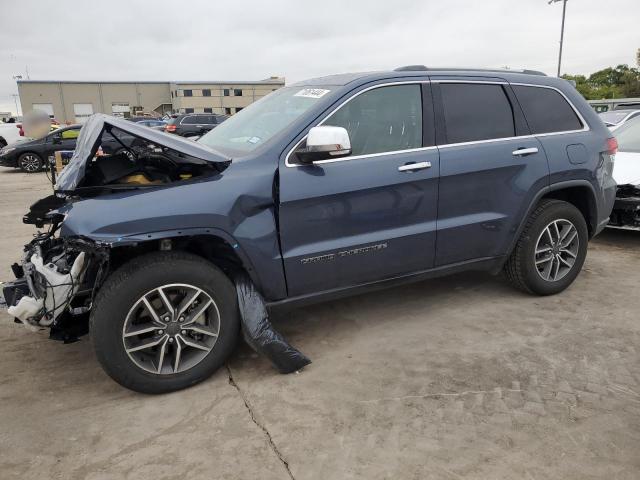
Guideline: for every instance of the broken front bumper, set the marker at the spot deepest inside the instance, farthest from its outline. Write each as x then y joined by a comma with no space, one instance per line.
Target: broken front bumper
626,209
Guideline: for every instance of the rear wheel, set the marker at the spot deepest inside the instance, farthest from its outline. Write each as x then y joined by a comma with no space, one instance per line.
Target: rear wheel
3,142
30,162
550,251
164,321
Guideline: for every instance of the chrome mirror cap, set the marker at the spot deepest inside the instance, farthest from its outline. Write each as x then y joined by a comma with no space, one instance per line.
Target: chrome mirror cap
334,141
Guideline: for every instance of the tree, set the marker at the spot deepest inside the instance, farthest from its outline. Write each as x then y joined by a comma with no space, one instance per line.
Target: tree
610,82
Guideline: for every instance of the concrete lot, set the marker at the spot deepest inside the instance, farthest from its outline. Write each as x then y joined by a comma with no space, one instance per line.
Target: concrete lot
455,378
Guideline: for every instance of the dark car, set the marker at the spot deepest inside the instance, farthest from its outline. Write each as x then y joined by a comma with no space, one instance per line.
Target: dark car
193,124
325,188
155,123
33,155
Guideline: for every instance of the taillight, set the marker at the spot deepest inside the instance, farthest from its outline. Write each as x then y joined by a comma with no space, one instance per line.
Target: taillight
19,127
612,146
170,128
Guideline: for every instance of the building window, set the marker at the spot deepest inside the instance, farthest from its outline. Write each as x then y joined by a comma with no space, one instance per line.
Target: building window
188,110
237,92
227,111
120,109
82,111
187,93
238,109
43,107
225,92
208,110
206,92
171,93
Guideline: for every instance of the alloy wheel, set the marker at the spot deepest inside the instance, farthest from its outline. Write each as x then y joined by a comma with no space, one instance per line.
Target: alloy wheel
556,250
30,163
171,329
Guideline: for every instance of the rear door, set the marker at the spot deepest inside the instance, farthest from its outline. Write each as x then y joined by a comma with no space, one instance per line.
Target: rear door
490,168
371,215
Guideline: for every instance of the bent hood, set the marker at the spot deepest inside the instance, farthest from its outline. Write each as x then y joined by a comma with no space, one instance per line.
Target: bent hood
626,169
91,134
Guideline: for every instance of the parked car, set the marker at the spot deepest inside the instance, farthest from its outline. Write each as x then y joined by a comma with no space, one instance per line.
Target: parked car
32,156
9,133
626,172
193,124
156,124
326,188
614,119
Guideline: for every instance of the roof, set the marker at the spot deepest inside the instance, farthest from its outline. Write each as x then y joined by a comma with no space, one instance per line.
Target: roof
512,75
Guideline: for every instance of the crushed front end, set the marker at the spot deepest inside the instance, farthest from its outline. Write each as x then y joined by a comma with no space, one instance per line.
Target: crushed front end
626,210
57,279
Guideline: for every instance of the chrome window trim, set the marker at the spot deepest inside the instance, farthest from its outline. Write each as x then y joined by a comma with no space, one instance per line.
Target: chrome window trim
585,127
356,157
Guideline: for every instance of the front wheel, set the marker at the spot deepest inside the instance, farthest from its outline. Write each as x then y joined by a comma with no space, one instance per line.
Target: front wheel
551,249
164,321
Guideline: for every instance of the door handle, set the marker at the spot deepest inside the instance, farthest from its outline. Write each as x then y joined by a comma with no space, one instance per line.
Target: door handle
525,151
409,167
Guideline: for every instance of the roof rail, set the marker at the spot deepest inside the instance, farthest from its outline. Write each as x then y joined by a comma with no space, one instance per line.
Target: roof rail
411,68
423,68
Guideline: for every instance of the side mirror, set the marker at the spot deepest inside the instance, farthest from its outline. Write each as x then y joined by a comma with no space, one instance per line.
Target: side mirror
56,139
325,142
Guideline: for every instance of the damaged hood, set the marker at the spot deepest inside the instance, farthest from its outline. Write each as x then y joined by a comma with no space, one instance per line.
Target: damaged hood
626,169
90,136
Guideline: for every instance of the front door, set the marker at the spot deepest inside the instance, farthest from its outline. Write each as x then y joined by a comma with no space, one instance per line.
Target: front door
371,215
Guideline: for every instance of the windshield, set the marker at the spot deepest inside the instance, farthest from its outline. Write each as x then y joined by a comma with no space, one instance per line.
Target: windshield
613,117
628,136
262,120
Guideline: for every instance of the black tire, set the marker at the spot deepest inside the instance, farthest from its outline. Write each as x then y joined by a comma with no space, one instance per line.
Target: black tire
521,269
30,162
3,142
127,285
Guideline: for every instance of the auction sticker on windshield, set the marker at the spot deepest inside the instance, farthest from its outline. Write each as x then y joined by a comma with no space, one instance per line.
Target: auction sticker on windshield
312,92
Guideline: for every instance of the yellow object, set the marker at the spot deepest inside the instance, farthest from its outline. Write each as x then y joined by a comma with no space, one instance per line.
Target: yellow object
68,134
59,165
185,176
139,179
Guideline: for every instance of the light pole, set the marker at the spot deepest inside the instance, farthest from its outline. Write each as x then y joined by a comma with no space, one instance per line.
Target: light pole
15,99
564,11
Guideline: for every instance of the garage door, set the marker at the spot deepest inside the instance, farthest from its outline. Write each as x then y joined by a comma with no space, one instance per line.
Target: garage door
43,107
82,111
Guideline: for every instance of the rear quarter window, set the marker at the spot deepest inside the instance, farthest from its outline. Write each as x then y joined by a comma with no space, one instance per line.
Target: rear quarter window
546,110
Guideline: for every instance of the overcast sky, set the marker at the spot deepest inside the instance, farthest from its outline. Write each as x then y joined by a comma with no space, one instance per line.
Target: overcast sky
297,39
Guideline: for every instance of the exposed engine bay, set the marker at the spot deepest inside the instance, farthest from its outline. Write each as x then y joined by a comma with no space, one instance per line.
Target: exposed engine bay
140,162
59,275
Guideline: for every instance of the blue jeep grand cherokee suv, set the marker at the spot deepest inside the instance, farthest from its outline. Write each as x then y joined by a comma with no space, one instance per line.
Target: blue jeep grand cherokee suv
324,188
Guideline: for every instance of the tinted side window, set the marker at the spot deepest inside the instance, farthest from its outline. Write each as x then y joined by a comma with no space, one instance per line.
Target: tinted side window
190,120
384,119
546,110
476,112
